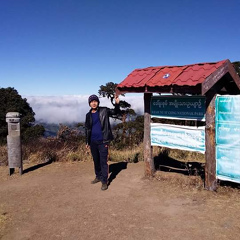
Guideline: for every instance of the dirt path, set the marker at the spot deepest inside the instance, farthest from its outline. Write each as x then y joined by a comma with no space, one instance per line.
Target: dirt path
57,201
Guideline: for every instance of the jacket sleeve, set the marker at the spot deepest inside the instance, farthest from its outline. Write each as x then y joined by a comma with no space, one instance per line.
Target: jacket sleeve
114,111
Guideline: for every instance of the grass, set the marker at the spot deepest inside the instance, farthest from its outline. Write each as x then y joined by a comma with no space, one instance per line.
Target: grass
3,155
3,219
134,154
54,149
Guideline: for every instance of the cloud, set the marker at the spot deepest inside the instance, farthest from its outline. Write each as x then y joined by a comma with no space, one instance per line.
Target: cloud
71,108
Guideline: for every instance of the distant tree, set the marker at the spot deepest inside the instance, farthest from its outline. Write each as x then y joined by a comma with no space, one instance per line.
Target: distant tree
109,91
237,67
134,133
130,131
33,132
11,101
137,127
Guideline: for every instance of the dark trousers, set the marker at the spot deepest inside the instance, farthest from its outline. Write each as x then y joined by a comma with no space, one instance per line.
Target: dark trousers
99,152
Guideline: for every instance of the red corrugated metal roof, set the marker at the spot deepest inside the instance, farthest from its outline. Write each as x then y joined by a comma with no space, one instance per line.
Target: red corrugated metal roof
189,75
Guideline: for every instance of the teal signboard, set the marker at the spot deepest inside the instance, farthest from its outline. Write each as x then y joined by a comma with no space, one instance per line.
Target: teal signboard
178,107
178,137
228,138
228,109
228,134
228,164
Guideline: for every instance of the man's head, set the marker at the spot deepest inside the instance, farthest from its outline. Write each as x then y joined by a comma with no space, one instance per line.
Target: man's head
93,101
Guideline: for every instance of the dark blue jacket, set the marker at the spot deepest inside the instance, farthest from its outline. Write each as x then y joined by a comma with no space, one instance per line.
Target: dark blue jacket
104,114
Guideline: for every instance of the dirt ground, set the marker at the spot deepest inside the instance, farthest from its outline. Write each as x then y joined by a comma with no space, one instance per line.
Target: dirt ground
57,201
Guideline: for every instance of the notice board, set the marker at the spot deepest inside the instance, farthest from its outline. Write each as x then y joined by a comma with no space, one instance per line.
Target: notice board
178,107
228,138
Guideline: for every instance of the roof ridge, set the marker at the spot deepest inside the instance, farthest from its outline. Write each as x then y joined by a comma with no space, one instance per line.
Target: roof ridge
173,66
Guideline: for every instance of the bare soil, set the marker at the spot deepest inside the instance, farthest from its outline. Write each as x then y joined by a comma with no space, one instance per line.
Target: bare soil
57,201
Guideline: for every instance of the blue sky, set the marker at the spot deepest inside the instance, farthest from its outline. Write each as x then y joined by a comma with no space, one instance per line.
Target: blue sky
71,47
58,52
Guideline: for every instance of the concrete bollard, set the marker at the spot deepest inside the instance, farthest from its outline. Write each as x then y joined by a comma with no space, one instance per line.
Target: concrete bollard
14,142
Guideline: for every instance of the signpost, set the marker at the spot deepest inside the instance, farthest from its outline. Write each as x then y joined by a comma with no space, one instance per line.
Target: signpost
178,136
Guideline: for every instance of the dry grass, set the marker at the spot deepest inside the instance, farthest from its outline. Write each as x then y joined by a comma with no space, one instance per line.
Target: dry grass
54,149
3,219
49,150
180,180
3,155
134,154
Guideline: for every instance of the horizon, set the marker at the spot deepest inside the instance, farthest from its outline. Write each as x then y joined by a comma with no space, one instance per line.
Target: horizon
69,109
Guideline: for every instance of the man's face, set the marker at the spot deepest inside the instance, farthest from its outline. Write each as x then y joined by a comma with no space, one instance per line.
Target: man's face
94,104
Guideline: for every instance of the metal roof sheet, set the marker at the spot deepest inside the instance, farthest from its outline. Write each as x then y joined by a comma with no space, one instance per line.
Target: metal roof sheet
189,75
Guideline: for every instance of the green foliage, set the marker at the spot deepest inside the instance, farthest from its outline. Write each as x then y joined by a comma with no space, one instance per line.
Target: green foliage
108,91
33,132
51,129
134,131
11,101
129,132
123,131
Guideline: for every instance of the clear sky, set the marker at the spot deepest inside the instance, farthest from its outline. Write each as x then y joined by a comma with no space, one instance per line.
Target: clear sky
71,47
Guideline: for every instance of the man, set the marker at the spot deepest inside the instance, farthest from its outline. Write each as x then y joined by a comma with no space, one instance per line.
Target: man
98,136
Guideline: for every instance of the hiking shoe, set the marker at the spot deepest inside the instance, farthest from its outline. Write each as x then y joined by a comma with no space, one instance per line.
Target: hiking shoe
104,186
96,180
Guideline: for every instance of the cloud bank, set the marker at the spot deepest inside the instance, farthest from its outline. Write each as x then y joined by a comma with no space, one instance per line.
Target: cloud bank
72,108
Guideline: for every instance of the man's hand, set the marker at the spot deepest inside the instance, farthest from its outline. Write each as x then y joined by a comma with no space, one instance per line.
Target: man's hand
87,148
116,98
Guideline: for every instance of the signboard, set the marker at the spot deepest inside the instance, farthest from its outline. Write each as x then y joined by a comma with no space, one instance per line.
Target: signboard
228,134
178,107
228,138
228,109
228,164
178,137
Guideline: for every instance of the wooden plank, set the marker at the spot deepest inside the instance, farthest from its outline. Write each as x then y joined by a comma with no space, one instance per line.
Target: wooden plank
196,89
214,78
148,159
234,74
210,154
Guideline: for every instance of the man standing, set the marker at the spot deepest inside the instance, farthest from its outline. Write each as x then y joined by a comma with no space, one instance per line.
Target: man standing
98,135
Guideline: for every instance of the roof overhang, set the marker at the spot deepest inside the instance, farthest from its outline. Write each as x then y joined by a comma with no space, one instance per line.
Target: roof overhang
196,79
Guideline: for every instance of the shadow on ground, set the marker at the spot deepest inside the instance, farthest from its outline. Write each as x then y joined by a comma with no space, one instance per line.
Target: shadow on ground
40,165
233,185
115,169
165,163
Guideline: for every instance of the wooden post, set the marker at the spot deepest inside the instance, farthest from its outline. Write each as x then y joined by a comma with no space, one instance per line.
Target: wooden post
148,159
210,154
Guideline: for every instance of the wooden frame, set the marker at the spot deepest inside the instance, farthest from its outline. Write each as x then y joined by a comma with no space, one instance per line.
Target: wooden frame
209,87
